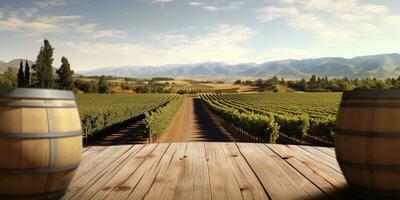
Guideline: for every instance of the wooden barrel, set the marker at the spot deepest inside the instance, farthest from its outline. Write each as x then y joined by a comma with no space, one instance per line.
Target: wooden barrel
367,142
40,143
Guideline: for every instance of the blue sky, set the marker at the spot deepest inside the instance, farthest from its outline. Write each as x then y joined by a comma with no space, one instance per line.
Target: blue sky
98,33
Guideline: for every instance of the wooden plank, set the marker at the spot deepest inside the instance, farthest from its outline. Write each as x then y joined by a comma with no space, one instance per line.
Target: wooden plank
314,158
329,151
250,186
152,175
96,183
331,175
127,184
90,153
194,182
302,182
203,170
167,179
222,179
88,163
85,149
100,164
125,172
279,179
329,181
323,157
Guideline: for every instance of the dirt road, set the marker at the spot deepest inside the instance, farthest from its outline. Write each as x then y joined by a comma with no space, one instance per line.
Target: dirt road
192,122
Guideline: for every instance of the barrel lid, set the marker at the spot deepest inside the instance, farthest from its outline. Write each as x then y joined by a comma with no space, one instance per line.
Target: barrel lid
35,93
372,94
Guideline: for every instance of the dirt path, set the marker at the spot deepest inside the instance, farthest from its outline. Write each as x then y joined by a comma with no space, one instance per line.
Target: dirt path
192,122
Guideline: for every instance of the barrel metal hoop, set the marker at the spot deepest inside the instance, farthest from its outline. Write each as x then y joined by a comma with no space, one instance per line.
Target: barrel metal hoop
367,133
39,170
369,105
34,93
369,166
37,104
40,135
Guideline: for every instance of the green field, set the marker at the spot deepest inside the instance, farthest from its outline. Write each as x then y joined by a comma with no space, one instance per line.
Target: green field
101,111
264,115
296,114
315,105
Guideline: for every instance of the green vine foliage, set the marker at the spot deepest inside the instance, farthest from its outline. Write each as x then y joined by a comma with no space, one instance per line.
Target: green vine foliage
262,126
156,121
101,111
297,115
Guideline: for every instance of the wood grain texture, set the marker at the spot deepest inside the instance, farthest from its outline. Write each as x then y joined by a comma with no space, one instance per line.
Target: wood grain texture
208,170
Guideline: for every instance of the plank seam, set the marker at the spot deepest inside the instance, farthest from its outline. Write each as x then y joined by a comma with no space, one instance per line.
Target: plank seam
147,171
158,172
319,161
105,173
258,178
327,195
108,193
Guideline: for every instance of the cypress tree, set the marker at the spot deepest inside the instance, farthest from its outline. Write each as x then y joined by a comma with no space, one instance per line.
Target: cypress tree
65,75
43,66
21,76
27,74
103,87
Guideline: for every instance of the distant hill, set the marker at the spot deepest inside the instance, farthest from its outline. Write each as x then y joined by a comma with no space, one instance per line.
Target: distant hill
4,66
13,64
379,66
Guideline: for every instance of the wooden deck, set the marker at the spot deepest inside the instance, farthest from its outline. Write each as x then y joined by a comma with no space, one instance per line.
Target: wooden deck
209,170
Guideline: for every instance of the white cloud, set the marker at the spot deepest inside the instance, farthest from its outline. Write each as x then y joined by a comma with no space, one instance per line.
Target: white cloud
196,3
94,32
50,3
270,13
218,5
162,1
394,22
223,44
211,8
58,19
28,12
335,20
32,24
29,27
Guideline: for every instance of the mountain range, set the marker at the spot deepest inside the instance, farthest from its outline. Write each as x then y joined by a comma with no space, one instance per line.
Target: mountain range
14,64
379,66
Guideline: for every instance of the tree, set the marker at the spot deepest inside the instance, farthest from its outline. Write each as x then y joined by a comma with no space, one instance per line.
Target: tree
86,86
103,86
8,80
65,75
259,82
313,79
282,82
27,74
43,66
21,76
303,85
